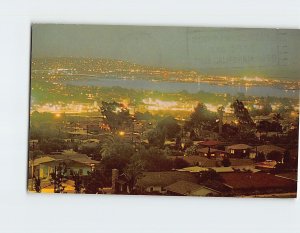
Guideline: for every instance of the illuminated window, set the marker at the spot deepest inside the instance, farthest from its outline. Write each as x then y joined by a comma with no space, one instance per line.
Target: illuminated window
231,151
244,151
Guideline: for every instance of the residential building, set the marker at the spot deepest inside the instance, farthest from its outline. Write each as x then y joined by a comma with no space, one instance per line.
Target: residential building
186,188
239,150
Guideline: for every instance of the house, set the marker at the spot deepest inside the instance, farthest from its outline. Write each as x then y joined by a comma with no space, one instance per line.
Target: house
186,188
268,149
44,166
247,183
239,150
213,153
195,160
156,182
197,169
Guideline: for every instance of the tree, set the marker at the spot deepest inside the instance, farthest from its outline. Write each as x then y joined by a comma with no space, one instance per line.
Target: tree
190,151
94,181
229,132
276,127
226,162
153,159
78,185
260,157
188,143
156,138
179,163
266,108
201,119
107,145
264,126
133,172
116,115
170,127
242,114
37,184
113,145
53,145
208,176
115,161
277,117
45,126
58,177
178,143
275,155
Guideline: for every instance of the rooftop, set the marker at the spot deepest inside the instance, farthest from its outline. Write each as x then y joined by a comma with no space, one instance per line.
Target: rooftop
267,149
164,178
239,147
198,160
259,180
201,169
188,188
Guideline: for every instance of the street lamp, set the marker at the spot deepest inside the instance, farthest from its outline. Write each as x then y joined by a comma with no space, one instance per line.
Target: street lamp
121,133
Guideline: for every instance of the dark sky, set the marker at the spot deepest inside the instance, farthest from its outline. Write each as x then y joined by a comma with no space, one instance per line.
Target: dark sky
246,52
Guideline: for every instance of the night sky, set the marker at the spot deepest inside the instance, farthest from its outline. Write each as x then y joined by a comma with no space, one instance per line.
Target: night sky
246,52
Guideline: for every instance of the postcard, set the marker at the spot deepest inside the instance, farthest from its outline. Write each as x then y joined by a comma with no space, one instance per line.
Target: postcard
156,110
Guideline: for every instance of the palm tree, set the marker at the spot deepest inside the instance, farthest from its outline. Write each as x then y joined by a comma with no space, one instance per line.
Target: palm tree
108,144
133,172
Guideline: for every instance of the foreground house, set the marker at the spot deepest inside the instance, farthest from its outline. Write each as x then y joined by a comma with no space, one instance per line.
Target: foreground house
185,188
247,183
212,153
197,169
239,150
80,163
195,160
268,149
156,182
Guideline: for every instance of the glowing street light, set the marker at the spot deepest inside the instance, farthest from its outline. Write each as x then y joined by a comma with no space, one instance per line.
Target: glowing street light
121,133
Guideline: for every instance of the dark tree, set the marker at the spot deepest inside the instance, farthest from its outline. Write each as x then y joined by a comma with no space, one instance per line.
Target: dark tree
242,114
178,143
260,157
266,108
153,159
208,176
94,181
276,127
78,184
116,115
277,117
201,119
58,177
37,184
115,146
226,162
156,138
229,131
179,163
116,161
133,172
170,127
264,126
275,155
